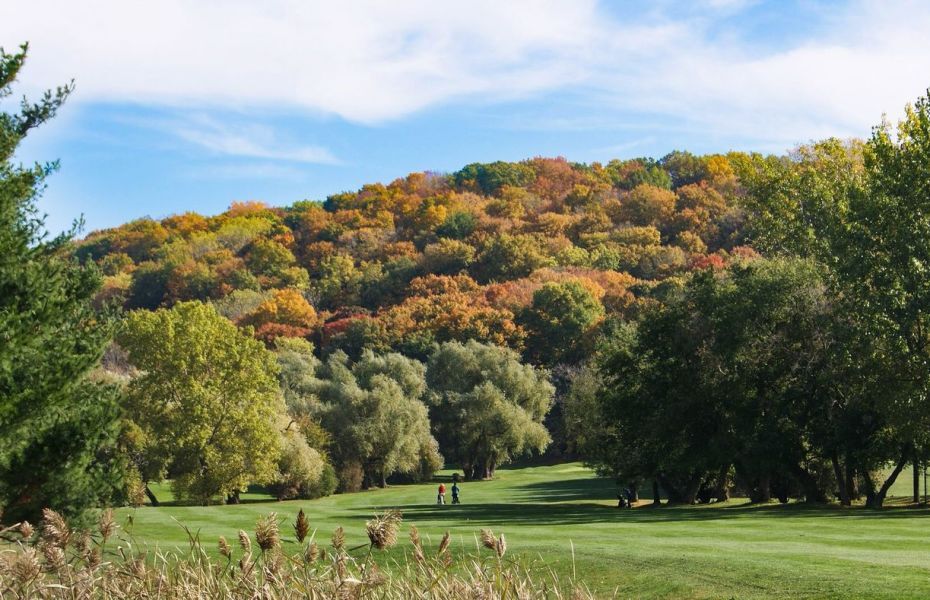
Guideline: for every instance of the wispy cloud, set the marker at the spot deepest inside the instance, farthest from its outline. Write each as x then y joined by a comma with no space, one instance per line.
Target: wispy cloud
250,140
369,61
230,135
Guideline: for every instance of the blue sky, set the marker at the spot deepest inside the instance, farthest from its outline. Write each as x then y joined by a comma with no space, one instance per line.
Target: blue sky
190,105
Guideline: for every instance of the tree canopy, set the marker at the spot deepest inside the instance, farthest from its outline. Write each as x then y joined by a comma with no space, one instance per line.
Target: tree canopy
486,406
206,398
372,268
375,411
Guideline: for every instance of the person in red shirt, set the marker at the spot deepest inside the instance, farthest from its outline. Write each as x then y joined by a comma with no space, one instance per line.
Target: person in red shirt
441,499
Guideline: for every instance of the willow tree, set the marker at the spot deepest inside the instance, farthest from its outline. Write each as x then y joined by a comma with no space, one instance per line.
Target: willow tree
374,410
486,406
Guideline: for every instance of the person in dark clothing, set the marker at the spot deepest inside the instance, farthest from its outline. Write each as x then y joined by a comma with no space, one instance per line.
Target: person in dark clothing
455,493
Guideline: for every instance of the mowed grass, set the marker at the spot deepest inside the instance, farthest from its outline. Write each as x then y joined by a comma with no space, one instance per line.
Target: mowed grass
730,550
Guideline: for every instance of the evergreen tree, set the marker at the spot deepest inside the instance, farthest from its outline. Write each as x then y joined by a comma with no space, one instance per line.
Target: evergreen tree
57,426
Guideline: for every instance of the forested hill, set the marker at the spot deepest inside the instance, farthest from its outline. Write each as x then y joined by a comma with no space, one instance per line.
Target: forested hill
531,255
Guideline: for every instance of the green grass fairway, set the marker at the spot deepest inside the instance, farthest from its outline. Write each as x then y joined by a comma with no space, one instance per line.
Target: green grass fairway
719,551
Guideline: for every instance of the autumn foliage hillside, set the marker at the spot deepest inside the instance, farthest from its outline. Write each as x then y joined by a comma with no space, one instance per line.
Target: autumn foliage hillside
531,255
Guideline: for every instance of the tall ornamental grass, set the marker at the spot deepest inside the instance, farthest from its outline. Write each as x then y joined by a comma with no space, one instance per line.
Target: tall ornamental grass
53,561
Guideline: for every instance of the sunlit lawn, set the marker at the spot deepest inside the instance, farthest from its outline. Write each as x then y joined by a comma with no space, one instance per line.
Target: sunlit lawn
727,550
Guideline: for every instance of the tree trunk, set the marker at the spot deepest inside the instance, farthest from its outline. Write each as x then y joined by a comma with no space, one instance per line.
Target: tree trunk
876,498
233,498
916,478
722,492
852,484
151,496
812,490
383,483
685,496
691,492
656,498
762,492
841,482
670,491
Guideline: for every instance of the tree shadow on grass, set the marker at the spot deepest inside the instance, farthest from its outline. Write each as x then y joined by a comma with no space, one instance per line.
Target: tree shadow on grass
569,490
579,513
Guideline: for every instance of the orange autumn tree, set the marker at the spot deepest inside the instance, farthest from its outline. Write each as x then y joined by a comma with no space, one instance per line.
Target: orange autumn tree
286,314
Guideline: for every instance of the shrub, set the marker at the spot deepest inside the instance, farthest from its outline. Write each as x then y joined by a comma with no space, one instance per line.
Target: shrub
300,469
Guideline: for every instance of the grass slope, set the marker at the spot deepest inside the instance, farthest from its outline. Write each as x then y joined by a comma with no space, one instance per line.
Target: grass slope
717,551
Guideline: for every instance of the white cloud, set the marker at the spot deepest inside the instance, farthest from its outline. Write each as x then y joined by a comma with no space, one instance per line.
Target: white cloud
370,61
365,60
869,57
247,140
229,135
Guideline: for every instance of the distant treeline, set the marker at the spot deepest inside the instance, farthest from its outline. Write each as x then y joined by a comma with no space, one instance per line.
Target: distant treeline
530,255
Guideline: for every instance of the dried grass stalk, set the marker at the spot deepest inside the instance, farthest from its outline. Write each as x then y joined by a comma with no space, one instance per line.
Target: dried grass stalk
382,530
444,544
245,542
224,547
339,538
55,529
107,524
26,530
312,553
488,539
301,526
266,532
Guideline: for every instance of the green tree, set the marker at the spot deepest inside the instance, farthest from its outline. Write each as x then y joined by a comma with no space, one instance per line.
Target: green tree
684,167
206,398
486,406
559,322
489,178
447,257
745,369
338,281
586,431
297,370
267,257
57,426
628,174
375,412
457,226
862,212
507,256
303,471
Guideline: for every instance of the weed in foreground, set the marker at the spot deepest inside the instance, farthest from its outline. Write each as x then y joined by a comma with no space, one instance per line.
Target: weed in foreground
61,563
